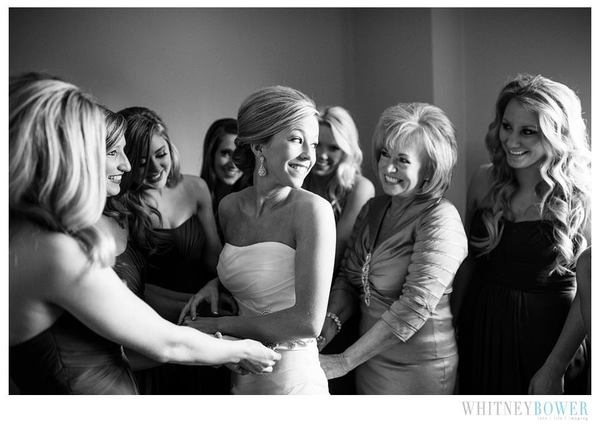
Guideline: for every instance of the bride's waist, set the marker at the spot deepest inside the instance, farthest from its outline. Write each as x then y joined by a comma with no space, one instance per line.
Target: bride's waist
294,345
262,306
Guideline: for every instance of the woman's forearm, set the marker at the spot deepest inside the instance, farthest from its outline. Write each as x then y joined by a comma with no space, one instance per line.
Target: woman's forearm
377,339
343,299
194,347
278,327
570,338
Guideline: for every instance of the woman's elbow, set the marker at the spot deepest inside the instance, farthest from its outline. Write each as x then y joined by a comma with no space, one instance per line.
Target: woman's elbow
311,327
162,350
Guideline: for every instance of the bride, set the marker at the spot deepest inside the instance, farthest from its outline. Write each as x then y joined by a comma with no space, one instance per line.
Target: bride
278,256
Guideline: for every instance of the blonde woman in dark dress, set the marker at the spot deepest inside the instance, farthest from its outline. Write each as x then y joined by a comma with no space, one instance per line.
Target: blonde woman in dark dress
69,312
529,213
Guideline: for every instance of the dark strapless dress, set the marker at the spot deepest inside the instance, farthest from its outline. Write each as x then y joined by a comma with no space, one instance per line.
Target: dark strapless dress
179,265
130,266
69,358
179,262
514,311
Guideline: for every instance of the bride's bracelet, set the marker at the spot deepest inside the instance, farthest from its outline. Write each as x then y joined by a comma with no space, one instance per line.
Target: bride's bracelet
336,320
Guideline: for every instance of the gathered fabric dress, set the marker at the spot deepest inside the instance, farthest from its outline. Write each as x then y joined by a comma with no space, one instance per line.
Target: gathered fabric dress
70,358
261,277
178,266
405,281
514,310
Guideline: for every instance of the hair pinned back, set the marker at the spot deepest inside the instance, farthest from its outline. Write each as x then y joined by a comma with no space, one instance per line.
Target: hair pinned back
265,113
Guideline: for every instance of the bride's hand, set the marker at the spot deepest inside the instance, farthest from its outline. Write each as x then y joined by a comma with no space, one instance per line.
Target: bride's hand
227,304
210,292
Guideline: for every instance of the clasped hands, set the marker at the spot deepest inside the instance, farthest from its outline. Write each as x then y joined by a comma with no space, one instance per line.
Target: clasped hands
221,304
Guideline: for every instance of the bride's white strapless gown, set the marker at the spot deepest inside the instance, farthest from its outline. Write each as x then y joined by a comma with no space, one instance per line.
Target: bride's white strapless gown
261,277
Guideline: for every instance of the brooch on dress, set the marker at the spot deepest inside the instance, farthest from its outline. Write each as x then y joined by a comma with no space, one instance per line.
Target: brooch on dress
365,279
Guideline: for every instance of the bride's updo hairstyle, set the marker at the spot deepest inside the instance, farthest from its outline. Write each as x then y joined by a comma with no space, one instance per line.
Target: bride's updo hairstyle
265,113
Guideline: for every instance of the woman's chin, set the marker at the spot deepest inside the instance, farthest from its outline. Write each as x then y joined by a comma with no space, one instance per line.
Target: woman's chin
319,172
230,180
112,191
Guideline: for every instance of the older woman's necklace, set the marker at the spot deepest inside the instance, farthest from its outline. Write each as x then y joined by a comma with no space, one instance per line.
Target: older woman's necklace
366,267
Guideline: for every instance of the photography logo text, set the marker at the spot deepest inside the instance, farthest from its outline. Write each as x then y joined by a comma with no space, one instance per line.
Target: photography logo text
540,409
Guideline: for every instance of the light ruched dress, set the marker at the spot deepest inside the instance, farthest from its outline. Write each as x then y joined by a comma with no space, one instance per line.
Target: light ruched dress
405,280
261,277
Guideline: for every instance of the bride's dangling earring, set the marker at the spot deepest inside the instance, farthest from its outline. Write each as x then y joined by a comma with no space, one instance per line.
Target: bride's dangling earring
261,166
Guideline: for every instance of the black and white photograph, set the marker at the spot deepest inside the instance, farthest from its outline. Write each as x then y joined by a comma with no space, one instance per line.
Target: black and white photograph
380,211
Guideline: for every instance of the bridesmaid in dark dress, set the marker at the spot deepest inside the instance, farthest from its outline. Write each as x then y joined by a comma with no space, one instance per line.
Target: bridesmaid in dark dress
69,313
129,262
529,214
218,169
336,176
173,223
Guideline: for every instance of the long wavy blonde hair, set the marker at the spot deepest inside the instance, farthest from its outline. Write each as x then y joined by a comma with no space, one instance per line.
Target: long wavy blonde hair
564,190
57,160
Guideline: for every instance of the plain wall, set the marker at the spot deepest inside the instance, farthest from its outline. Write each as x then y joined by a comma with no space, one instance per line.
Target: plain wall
500,43
392,63
449,90
192,66
196,65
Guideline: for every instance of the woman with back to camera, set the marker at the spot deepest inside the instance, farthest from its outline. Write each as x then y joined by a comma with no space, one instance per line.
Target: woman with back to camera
336,177
218,169
400,263
279,248
69,312
530,217
171,219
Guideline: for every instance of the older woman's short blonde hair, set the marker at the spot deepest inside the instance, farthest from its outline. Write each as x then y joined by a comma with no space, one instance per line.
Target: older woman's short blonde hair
425,125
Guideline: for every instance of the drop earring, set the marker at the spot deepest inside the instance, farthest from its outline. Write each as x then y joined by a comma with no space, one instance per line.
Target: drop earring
261,166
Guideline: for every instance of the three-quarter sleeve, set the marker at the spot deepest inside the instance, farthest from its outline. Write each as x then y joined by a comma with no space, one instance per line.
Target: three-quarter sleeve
439,249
